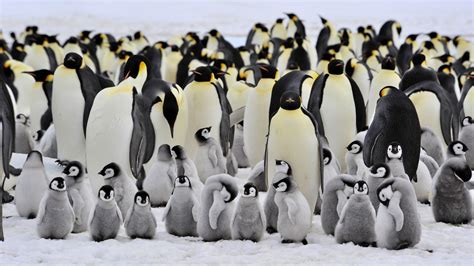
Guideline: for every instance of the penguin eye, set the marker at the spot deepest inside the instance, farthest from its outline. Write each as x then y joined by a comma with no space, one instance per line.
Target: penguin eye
365,187
382,196
326,160
252,190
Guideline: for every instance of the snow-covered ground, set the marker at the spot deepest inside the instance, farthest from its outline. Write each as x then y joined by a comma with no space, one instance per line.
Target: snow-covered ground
440,244
450,245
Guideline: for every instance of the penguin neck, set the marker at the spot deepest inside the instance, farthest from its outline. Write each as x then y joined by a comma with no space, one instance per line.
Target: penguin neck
57,195
289,112
265,85
107,204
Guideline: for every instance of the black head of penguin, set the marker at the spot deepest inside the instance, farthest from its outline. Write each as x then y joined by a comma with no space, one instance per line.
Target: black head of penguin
74,169
467,121
290,100
71,40
174,48
203,74
135,65
289,43
457,148
114,47
428,45
268,71
387,90
137,35
444,69
214,33
291,16
41,75
85,34
433,35
179,151
250,189
360,30
73,61
279,20
336,67
202,135
142,197
124,54
388,63
327,156
58,184
380,168
418,59
345,37
52,39
164,152
107,192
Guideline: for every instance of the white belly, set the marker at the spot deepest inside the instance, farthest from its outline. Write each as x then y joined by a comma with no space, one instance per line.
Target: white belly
37,58
381,79
384,227
24,83
339,123
361,77
68,110
38,106
468,104
292,138
428,109
423,184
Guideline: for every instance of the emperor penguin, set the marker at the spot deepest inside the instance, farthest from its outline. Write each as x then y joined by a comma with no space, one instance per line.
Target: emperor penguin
327,37
452,202
39,55
209,159
362,76
398,223
217,204
19,82
405,53
40,100
24,141
395,159
389,31
278,30
248,221
418,73
336,194
339,126
105,220
299,148
295,25
429,162
387,76
171,67
140,40
283,169
456,149
124,188
357,221
182,210
331,167
80,195
31,186
256,118
55,217
160,179
354,161
139,221
422,183
394,113
294,212
75,84
378,173
186,166
466,135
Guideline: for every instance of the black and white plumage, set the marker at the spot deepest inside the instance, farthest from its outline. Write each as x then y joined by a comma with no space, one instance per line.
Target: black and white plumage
139,221
105,220
248,221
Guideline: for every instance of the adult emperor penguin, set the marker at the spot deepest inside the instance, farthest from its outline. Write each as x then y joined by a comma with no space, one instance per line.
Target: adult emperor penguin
405,53
327,37
294,212
209,159
19,84
389,31
284,143
31,186
378,173
398,223
216,208
418,73
362,76
394,113
387,76
39,55
40,100
75,84
434,109
139,221
171,67
452,202
466,135
336,194
7,117
56,216
105,220
210,107
295,25
248,221
278,30
182,210
338,125
124,188
256,118
357,221
160,179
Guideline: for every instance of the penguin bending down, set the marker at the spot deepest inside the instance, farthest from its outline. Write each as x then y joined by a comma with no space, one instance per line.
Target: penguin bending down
216,208
357,221
55,216
248,221
209,159
398,223
452,202
105,220
31,186
182,210
140,221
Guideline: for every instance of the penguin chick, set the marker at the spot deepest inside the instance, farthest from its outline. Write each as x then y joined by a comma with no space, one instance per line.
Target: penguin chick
106,218
452,201
331,166
394,159
357,221
182,210
216,207
294,213
466,135
248,221
159,181
283,169
124,188
335,196
354,160
23,140
187,167
377,174
140,221
56,216
31,186
398,223
456,149
209,159
79,192
257,176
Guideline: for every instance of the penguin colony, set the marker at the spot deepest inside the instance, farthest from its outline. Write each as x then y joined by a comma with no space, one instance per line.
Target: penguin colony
357,128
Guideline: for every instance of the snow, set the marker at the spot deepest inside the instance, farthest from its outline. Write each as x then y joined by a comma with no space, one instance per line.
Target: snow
450,245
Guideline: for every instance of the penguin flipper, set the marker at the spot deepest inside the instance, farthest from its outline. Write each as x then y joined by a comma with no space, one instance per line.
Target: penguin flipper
213,156
322,42
166,210
42,209
225,126
395,210
292,209
371,141
195,210
90,86
218,205
7,117
341,202
361,119
77,203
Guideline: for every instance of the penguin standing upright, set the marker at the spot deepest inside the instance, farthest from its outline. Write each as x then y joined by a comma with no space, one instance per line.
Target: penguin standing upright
278,30
295,25
40,100
7,117
406,52
171,66
339,126
283,169
74,90
394,113
248,221
256,118
418,73
327,37
378,173
362,76
39,55
105,220
31,186
209,159
139,221
300,148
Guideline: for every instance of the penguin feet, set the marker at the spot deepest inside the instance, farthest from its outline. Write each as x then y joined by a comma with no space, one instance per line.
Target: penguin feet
305,242
271,230
402,245
287,241
6,197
